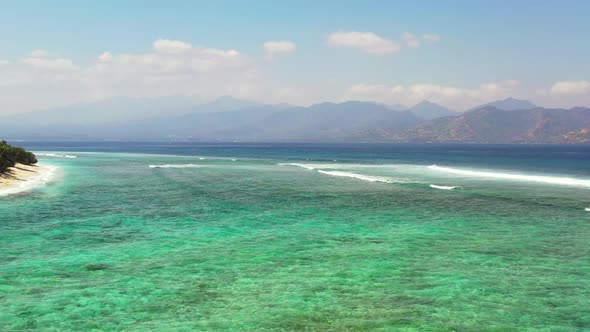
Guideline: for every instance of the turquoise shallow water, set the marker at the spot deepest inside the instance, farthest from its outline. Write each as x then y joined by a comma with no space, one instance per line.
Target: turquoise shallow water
351,238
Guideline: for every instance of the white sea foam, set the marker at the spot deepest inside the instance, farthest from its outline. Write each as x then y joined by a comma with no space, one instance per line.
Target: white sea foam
45,175
565,181
306,166
359,176
399,167
312,166
442,187
56,155
175,166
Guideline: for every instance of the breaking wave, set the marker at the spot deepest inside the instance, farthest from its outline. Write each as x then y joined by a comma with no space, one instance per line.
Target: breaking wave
55,155
176,166
359,176
442,187
312,166
565,181
306,166
45,175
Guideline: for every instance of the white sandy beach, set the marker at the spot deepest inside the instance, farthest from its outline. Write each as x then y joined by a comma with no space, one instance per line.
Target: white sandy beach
21,178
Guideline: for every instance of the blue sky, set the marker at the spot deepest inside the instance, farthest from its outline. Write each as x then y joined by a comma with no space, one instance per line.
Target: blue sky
525,48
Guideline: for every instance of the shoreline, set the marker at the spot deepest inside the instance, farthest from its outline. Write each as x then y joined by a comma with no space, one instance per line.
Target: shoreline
22,178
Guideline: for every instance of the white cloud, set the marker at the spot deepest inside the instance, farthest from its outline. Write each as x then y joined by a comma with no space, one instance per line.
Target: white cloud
498,88
431,37
570,88
365,41
171,46
105,57
410,40
172,68
175,68
39,53
454,97
278,47
370,42
47,63
42,60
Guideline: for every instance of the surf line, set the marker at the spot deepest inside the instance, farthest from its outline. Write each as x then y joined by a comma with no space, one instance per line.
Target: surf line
565,181
442,187
175,166
46,174
358,176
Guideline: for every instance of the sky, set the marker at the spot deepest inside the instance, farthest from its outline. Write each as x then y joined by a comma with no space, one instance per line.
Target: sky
456,53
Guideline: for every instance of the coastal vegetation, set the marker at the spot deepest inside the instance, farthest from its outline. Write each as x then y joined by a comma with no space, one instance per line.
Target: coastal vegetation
12,155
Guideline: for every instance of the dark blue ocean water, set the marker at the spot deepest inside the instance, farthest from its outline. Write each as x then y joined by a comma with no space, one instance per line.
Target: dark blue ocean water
573,159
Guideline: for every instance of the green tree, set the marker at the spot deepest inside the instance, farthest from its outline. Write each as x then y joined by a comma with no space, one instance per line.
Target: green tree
11,155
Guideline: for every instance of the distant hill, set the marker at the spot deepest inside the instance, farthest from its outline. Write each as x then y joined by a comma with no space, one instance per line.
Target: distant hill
115,117
492,125
225,104
326,122
397,107
224,119
509,104
106,111
229,119
428,110
329,121
119,109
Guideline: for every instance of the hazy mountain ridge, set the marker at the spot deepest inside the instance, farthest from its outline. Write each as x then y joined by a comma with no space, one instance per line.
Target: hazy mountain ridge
326,121
492,125
222,119
508,104
230,119
428,110
106,111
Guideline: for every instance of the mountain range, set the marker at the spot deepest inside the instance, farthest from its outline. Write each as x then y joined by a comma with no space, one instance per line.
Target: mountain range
427,110
492,125
229,119
509,104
